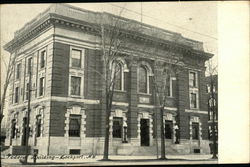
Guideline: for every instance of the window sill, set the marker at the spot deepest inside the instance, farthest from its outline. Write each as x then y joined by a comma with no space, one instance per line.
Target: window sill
195,109
76,96
170,97
120,91
15,103
146,94
196,140
77,68
74,137
40,97
194,88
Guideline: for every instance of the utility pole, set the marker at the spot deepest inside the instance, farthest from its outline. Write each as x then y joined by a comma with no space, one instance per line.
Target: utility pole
156,134
28,120
141,12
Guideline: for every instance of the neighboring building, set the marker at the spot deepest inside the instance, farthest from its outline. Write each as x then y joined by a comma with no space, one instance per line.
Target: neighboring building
212,93
67,117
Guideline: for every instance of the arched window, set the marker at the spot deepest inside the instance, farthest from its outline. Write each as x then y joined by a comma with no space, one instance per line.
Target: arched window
143,79
13,129
118,76
38,125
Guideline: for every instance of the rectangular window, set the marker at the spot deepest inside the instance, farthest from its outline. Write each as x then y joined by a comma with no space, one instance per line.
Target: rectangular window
29,65
143,80
16,94
168,86
18,71
168,129
41,86
193,100
38,126
76,58
42,58
27,92
192,79
75,86
195,131
74,125
117,127
13,129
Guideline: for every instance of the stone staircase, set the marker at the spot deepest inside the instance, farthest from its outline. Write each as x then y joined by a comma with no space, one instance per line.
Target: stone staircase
5,150
180,149
14,150
143,150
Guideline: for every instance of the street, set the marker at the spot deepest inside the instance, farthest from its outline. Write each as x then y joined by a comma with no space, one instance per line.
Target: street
114,160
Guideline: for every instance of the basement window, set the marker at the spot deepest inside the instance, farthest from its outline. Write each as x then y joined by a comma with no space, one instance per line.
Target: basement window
197,151
74,151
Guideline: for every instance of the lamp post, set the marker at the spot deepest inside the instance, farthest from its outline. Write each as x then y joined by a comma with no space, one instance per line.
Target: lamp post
125,127
176,128
28,120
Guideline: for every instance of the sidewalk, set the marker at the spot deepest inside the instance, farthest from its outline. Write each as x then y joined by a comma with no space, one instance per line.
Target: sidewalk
114,160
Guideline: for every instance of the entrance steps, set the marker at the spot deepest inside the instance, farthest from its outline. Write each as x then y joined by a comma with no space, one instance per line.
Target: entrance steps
143,150
5,150
15,150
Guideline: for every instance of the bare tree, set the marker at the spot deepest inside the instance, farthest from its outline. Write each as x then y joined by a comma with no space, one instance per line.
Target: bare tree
9,72
112,44
164,72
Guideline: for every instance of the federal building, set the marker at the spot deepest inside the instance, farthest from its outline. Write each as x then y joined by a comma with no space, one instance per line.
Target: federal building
62,49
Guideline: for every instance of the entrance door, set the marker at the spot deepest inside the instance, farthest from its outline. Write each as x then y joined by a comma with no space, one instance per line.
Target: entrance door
24,131
144,132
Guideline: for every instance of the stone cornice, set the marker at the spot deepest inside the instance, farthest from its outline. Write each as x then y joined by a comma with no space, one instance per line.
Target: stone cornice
34,29
27,35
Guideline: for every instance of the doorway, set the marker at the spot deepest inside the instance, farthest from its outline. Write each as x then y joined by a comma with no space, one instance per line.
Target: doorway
144,132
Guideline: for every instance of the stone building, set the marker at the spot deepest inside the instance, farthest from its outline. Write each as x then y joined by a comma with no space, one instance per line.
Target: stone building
62,47
212,95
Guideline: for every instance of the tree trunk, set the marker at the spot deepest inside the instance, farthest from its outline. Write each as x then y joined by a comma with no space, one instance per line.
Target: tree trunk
3,102
106,141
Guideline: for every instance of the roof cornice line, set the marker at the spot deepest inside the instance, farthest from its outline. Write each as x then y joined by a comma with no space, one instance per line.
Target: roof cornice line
93,28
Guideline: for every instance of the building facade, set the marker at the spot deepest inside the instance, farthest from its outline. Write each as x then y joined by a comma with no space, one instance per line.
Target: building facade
62,48
212,96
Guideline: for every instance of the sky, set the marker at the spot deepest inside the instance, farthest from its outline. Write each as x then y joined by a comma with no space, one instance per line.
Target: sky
167,15
195,20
